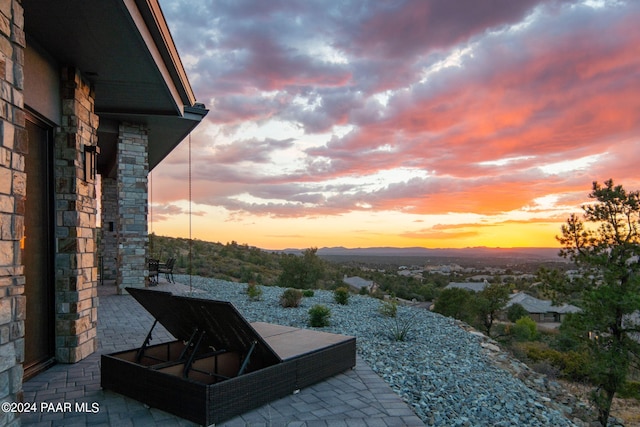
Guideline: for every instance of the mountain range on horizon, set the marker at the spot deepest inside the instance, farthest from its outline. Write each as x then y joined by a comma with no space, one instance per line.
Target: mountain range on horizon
469,252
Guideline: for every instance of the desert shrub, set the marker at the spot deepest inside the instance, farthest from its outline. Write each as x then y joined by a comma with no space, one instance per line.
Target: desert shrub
400,327
389,308
341,295
291,298
319,316
573,365
536,351
254,291
308,293
515,312
630,390
525,329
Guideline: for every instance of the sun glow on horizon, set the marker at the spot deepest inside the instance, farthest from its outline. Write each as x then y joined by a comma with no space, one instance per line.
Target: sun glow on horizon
364,228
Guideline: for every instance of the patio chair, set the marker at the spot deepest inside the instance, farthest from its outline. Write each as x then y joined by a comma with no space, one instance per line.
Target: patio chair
153,272
219,365
167,269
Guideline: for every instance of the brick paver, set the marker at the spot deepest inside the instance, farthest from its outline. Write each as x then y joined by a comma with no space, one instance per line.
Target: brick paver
354,398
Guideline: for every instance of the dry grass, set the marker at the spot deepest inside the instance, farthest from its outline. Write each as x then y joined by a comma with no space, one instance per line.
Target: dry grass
627,410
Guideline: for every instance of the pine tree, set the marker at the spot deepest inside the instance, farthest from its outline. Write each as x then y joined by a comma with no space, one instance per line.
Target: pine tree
605,245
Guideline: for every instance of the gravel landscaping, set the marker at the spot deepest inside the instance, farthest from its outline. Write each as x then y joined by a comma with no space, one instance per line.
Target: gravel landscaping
440,369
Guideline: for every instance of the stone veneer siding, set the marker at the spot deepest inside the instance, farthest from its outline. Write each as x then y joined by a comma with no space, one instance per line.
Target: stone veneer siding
13,146
76,269
109,230
132,199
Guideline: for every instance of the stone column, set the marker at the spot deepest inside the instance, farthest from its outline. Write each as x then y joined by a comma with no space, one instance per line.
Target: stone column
133,238
13,146
76,270
109,213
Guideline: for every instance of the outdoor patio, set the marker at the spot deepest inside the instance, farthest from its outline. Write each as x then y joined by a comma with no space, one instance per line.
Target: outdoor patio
358,397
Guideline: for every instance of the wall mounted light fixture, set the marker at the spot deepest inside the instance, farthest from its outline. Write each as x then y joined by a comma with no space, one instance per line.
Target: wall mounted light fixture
90,158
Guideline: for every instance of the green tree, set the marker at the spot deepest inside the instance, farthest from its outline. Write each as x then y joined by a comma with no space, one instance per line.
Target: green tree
515,312
571,334
489,302
525,329
605,245
454,302
301,271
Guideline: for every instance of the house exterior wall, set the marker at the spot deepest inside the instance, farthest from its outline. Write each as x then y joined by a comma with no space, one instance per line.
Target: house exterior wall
58,95
132,200
42,83
13,145
76,207
109,216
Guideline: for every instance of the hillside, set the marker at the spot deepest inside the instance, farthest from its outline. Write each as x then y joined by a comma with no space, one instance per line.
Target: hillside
448,376
231,261
244,263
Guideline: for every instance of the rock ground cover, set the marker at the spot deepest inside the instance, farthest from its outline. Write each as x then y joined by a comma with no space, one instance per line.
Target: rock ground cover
448,373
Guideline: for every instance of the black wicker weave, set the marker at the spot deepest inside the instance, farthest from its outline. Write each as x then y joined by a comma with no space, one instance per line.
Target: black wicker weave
220,366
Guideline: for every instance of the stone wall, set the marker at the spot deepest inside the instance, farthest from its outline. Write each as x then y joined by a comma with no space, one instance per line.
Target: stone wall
132,198
76,269
13,145
109,241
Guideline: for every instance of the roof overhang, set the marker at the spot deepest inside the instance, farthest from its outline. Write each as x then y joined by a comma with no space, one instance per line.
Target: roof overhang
124,48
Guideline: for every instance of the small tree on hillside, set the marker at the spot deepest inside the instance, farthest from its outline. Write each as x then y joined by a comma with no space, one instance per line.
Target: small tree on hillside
302,272
608,255
454,302
489,302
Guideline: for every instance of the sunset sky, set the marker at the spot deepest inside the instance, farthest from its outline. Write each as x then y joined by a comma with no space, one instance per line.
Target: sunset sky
431,123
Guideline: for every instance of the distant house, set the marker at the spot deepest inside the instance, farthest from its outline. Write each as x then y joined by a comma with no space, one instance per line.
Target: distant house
470,286
414,272
357,283
480,278
443,269
541,310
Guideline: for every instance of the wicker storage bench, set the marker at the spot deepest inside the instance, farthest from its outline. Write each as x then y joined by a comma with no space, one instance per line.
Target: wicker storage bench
220,365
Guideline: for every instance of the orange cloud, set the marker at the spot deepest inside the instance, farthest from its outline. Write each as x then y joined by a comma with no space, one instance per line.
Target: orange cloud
489,112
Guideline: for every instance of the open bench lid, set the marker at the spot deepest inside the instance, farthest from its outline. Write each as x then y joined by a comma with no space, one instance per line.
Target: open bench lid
224,326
